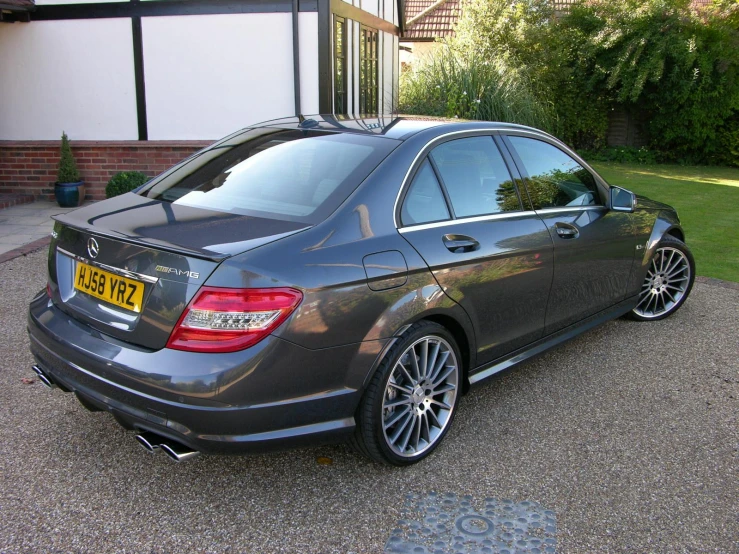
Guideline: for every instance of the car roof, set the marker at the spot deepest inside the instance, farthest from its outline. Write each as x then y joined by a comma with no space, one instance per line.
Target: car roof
398,127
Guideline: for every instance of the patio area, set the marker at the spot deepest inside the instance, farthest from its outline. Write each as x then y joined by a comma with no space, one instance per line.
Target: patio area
25,227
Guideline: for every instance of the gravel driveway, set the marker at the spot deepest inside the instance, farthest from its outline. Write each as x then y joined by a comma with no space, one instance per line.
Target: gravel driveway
626,437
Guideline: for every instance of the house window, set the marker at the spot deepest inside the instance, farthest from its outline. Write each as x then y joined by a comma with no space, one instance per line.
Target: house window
368,71
340,80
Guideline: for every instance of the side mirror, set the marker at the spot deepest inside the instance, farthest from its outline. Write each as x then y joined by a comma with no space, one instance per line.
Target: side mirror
622,200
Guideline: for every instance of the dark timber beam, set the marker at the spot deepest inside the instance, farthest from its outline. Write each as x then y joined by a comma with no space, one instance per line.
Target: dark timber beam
166,8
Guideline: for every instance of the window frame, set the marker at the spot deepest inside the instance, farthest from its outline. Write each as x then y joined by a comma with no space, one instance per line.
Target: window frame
368,66
340,59
424,154
600,185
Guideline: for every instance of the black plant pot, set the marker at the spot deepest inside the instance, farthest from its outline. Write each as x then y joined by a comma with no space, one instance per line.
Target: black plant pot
69,195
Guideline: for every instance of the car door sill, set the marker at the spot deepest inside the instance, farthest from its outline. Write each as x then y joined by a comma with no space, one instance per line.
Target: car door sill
542,345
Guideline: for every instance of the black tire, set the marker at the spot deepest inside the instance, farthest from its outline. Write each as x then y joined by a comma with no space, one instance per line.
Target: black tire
668,281
370,437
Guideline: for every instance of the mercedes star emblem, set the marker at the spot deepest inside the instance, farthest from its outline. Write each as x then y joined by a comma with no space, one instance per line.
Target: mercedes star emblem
93,249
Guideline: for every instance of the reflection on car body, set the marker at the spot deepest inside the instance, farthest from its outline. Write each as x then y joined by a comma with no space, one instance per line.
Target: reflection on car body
326,280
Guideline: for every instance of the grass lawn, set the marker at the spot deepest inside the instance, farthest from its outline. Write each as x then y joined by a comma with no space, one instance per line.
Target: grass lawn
707,200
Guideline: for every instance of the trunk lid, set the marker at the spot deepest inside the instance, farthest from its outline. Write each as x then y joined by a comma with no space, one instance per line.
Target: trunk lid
213,235
129,266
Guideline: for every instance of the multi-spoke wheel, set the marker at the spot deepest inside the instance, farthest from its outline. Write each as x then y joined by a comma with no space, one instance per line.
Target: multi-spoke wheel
410,402
668,281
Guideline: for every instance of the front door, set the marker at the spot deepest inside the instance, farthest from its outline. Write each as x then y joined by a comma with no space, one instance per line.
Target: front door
463,214
593,246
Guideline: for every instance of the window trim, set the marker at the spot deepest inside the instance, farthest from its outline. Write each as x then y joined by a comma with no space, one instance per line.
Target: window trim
424,152
471,219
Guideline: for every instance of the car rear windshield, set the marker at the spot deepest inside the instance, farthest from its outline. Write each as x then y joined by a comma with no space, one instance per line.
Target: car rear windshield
274,173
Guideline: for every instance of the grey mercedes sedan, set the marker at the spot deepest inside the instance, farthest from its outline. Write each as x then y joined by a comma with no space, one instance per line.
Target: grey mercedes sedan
313,280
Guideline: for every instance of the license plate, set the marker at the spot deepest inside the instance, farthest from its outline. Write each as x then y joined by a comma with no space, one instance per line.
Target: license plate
114,289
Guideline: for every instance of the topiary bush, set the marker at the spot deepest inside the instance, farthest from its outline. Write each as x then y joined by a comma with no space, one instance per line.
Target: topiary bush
124,182
68,172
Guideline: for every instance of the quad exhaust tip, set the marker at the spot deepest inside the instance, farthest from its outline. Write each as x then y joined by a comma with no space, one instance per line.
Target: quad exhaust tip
45,379
153,443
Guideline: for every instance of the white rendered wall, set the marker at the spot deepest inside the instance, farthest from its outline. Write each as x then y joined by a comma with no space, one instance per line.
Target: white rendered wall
371,6
391,12
308,29
207,76
73,76
387,63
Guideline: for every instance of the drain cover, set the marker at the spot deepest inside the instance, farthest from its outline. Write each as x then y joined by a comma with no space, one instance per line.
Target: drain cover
448,524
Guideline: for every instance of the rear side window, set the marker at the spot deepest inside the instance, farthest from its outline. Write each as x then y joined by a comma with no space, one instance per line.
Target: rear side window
555,179
281,174
476,177
424,202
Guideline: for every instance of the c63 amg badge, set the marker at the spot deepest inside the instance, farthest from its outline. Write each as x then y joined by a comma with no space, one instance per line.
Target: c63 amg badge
175,271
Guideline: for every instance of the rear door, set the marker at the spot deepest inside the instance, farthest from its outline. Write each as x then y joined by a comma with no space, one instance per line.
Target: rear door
593,246
463,213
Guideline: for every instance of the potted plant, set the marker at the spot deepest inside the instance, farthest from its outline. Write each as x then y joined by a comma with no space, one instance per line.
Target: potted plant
69,189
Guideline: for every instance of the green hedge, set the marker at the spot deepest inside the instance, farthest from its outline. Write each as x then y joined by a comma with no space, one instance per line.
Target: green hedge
512,60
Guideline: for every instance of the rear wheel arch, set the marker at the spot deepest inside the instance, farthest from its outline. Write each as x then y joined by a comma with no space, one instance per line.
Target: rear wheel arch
463,343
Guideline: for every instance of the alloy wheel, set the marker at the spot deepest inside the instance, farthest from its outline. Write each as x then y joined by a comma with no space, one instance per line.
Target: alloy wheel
666,283
420,396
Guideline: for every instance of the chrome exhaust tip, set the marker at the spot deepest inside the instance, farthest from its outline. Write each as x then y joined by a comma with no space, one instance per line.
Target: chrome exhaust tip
178,452
45,379
149,441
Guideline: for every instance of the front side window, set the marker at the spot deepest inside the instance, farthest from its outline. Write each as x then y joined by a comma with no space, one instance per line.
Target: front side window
555,178
340,81
368,71
273,173
476,177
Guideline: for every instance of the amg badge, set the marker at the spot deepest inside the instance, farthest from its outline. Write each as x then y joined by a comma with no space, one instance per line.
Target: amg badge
191,274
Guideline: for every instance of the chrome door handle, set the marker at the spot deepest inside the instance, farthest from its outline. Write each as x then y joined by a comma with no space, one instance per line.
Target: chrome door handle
567,231
460,243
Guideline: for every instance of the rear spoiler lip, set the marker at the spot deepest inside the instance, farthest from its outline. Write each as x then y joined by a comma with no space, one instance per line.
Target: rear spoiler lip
211,255
142,241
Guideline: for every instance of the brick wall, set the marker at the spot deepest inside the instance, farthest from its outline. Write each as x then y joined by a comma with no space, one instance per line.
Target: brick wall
30,167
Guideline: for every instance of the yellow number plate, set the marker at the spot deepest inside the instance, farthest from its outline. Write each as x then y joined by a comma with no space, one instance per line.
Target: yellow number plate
117,290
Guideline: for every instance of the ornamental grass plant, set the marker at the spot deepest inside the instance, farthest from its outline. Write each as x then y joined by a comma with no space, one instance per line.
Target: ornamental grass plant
452,84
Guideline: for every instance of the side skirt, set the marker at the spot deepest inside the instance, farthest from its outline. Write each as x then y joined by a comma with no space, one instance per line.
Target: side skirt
542,345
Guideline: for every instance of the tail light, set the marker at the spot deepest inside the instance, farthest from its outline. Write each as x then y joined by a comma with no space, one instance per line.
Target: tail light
227,320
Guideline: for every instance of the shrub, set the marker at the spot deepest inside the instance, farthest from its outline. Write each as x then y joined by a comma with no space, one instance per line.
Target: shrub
681,67
450,83
621,154
728,142
124,182
68,172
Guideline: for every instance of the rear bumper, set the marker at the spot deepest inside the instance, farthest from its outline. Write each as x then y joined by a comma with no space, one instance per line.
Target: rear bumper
273,397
